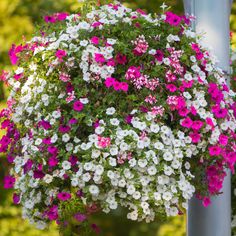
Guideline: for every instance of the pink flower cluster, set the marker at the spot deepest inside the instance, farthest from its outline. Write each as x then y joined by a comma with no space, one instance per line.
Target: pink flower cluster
61,16
104,142
116,85
173,19
215,178
141,46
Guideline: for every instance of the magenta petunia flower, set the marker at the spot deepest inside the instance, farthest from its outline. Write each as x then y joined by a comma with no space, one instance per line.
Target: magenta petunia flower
18,76
10,158
111,62
38,174
78,106
121,59
109,82
50,19
159,55
80,217
61,16
52,213
117,85
183,111
52,161
79,193
197,125
14,50
47,141
214,150
99,58
133,73
53,150
220,113
73,121
171,87
64,128
96,24
128,119
9,182
45,124
223,140
196,137
173,19
63,196
95,228
142,12
187,122
206,201
16,198
124,86
60,54
95,40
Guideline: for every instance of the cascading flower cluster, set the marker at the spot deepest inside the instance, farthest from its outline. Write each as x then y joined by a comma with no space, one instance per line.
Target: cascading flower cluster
115,108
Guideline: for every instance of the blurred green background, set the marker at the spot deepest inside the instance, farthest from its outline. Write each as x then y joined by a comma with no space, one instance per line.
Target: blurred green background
17,21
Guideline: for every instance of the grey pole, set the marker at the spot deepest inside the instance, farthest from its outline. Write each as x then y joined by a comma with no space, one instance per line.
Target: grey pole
213,18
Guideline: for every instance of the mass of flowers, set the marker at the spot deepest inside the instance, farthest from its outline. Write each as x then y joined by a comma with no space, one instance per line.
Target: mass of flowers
233,86
115,108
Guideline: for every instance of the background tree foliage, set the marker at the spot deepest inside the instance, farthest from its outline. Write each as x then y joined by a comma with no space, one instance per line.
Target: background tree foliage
17,20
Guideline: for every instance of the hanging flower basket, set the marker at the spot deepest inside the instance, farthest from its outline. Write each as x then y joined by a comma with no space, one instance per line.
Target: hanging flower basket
115,108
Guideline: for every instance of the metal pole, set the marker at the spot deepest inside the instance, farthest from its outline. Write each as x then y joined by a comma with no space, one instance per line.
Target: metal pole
213,18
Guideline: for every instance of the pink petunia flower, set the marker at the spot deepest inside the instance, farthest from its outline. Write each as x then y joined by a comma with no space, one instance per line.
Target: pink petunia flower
104,142
220,113
60,54
121,59
109,82
96,24
64,77
52,150
52,161
61,16
78,106
196,137
64,128
63,196
223,140
187,122
16,198
95,228
133,73
159,55
50,19
206,201
117,85
210,122
9,182
111,62
124,86
197,125
52,213
80,217
214,150
171,87
99,58
47,141
95,40
14,50
142,12
173,19
183,111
